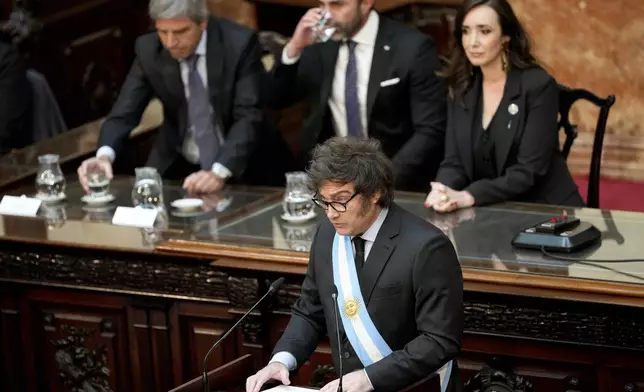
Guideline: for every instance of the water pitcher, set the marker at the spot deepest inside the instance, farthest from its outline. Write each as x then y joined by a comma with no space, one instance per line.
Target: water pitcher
148,188
298,200
50,182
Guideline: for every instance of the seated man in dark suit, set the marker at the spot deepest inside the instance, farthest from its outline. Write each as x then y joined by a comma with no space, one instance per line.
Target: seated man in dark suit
398,280
375,78
16,99
207,73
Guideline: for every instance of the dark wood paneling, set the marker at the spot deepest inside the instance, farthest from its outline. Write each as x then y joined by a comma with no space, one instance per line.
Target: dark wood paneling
12,376
201,326
84,50
80,343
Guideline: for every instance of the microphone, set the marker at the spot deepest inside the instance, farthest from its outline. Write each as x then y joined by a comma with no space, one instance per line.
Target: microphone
271,290
337,332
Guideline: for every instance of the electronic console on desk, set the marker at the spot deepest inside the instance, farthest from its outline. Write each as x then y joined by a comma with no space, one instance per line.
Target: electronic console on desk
563,233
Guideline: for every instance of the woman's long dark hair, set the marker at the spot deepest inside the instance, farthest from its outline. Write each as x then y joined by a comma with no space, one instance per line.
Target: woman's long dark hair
459,71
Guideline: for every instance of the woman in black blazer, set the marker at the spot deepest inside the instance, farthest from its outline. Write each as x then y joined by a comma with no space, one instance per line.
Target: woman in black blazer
502,137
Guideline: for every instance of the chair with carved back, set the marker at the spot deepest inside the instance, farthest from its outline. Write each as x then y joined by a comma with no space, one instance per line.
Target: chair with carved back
567,97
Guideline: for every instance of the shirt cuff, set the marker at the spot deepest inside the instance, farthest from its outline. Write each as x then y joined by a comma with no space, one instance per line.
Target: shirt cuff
106,151
221,170
286,358
288,60
368,379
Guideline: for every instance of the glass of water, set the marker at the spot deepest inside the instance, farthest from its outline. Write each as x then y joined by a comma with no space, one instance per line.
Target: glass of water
50,182
148,188
322,31
97,181
298,199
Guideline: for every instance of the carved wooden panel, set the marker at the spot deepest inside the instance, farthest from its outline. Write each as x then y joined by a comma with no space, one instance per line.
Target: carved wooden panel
150,350
543,375
83,349
622,380
199,327
12,376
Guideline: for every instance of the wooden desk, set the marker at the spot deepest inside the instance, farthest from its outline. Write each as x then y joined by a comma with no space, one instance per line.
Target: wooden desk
19,167
147,311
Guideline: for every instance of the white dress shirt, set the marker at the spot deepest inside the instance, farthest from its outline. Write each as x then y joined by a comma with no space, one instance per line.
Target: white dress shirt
365,40
369,236
189,150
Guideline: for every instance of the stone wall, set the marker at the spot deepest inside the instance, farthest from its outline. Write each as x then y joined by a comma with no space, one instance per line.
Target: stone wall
592,44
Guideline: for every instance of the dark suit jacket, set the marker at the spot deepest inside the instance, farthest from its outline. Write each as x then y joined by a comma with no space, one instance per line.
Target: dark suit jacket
16,99
528,160
412,268
408,117
234,77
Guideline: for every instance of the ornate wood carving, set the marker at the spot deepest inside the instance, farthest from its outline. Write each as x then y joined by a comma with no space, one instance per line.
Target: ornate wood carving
243,293
322,375
158,276
81,369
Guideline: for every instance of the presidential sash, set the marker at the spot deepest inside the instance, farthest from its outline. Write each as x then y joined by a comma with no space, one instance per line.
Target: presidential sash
369,345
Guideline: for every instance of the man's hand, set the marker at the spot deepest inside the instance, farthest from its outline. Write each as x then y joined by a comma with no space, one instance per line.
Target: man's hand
272,371
94,164
303,35
203,181
356,381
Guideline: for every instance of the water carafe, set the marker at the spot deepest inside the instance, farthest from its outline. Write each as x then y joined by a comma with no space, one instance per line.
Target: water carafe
50,182
148,188
298,201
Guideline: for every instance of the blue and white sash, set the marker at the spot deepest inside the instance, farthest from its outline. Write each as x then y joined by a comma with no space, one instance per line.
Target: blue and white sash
369,345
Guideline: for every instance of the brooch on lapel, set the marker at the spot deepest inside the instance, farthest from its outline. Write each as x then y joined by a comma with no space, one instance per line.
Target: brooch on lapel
386,48
513,109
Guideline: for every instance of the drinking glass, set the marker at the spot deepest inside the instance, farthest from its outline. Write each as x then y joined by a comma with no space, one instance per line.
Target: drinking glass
97,181
322,31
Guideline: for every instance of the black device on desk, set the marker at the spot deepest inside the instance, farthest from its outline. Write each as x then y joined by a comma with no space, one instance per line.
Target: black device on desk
563,233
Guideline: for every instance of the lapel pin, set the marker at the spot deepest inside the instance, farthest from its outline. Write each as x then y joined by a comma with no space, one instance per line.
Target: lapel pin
386,47
513,109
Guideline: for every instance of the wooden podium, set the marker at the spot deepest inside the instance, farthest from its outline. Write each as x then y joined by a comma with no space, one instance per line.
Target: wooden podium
232,377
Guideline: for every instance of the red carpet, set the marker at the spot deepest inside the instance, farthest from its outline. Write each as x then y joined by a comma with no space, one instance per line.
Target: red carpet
616,194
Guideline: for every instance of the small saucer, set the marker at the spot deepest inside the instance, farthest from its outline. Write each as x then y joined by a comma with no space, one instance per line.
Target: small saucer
299,219
187,214
51,199
187,205
88,199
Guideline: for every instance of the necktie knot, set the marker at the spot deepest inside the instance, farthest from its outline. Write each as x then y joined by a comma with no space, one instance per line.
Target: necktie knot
351,45
192,62
359,243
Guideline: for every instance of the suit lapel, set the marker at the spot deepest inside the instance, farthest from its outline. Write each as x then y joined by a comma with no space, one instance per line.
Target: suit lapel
329,55
171,74
172,77
380,253
215,60
508,113
382,54
464,132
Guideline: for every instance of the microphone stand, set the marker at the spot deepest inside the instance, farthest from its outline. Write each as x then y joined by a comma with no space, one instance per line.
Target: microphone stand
337,331
204,376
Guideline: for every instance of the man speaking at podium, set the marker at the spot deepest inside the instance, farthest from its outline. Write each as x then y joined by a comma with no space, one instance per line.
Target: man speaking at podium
395,278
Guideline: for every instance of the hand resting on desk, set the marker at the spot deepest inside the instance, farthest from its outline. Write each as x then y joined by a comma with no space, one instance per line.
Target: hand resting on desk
272,371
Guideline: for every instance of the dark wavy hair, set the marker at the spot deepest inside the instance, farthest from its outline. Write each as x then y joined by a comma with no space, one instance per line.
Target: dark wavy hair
351,160
459,72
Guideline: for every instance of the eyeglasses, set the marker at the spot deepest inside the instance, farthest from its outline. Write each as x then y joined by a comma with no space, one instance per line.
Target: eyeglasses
339,206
